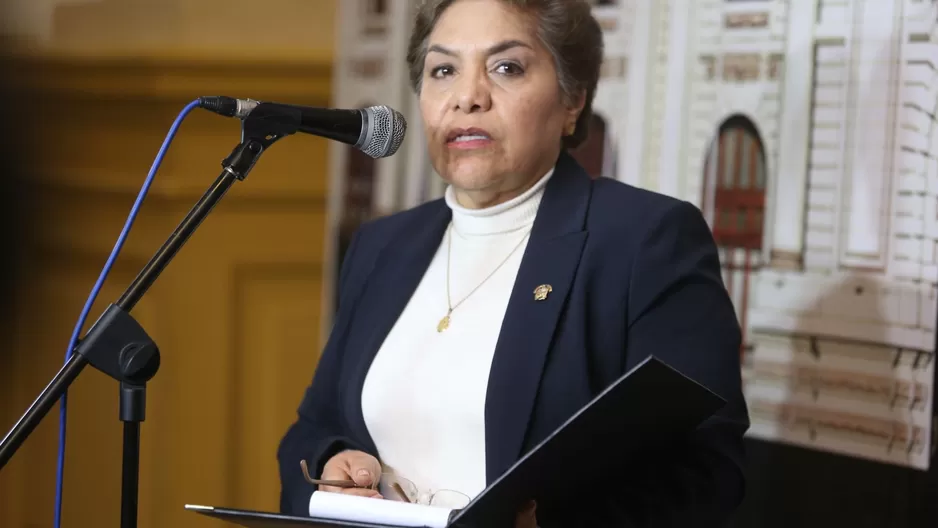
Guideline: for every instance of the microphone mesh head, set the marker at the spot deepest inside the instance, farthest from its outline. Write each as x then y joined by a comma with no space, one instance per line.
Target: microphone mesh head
387,128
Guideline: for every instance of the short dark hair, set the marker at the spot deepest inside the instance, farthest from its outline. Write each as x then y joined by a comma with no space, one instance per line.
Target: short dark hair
566,28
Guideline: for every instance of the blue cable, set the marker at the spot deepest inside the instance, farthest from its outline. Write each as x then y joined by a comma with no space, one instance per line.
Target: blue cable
94,294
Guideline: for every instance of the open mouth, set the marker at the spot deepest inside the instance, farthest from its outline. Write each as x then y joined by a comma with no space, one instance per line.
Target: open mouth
467,136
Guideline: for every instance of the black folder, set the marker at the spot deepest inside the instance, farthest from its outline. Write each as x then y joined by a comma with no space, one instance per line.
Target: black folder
651,405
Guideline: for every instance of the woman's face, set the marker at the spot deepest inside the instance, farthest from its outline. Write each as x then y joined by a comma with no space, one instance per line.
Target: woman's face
491,103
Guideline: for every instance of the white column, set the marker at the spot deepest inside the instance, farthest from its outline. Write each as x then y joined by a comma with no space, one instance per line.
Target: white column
631,153
344,12
874,52
391,172
915,173
672,156
787,234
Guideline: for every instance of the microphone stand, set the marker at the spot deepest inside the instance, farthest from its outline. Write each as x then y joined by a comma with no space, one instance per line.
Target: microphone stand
118,346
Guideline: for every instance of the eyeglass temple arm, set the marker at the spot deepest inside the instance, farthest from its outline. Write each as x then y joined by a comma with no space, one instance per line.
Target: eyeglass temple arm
320,482
344,483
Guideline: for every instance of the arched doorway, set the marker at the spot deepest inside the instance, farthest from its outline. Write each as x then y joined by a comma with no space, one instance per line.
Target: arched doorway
734,183
597,154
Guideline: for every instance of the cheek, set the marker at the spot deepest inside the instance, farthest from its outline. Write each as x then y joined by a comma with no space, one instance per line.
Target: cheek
430,113
532,120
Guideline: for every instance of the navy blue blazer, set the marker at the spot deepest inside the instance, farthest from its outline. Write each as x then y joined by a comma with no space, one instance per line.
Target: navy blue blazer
633,273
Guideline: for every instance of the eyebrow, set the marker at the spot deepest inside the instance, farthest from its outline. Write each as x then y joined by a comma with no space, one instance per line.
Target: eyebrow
502,46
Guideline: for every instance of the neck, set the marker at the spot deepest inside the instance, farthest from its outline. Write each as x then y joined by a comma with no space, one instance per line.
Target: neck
506,216
485,198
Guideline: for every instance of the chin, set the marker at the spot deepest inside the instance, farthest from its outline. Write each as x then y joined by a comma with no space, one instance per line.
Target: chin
471,180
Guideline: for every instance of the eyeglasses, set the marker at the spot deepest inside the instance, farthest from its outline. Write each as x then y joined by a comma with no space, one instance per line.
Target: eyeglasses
395,487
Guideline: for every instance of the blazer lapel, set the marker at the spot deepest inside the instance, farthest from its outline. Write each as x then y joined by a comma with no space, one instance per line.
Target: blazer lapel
400,267
549,263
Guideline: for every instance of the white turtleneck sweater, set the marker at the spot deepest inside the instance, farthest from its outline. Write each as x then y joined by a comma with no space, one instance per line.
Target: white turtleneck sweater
424,395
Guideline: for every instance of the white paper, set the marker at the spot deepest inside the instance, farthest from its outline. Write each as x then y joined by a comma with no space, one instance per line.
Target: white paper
342,507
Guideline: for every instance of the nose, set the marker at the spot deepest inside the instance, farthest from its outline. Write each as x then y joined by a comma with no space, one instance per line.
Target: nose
472,93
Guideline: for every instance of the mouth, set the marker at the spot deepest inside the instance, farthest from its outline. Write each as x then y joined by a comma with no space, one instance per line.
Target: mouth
466,137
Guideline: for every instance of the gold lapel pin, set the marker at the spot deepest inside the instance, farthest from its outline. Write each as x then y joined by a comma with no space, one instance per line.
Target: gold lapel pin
541,292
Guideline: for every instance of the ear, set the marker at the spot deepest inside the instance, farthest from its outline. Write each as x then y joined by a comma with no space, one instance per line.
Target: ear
575,108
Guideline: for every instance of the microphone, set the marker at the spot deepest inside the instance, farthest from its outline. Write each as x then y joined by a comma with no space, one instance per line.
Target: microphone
378,131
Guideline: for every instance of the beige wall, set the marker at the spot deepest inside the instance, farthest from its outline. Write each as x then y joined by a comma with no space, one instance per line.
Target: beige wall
293,27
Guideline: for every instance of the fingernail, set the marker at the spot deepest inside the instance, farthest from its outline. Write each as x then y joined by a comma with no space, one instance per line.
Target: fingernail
363,473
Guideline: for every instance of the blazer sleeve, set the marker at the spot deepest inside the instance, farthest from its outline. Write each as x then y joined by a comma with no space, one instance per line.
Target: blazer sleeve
317,434
679,310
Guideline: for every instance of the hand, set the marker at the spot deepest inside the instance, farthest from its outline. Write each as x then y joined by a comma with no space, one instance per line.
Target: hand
358,466
526,517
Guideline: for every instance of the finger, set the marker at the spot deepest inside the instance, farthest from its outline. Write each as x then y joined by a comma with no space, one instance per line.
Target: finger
335,472
330,489
364,469
362,492
339,466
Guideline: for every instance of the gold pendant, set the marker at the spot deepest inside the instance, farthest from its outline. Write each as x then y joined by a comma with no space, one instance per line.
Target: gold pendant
443,324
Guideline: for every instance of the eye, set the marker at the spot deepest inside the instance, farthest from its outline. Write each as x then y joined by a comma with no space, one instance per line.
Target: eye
441,71
509,68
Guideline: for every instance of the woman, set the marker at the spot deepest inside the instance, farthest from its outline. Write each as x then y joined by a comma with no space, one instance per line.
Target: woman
442,366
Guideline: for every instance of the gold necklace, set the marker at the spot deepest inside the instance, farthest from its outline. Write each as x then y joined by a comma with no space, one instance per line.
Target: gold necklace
444,322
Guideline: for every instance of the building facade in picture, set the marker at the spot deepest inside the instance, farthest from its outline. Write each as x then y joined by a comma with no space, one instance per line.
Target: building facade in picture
807,134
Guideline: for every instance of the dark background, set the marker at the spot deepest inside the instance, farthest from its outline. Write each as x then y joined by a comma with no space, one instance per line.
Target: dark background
12,226
794,487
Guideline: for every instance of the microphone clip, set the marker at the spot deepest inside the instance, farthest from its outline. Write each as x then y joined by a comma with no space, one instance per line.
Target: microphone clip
260,129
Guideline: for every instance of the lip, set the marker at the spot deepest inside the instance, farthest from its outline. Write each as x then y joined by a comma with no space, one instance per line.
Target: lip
472,131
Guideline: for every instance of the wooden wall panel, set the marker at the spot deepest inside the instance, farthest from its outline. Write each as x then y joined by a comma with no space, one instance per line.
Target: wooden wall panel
272,306
236,314
217,27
